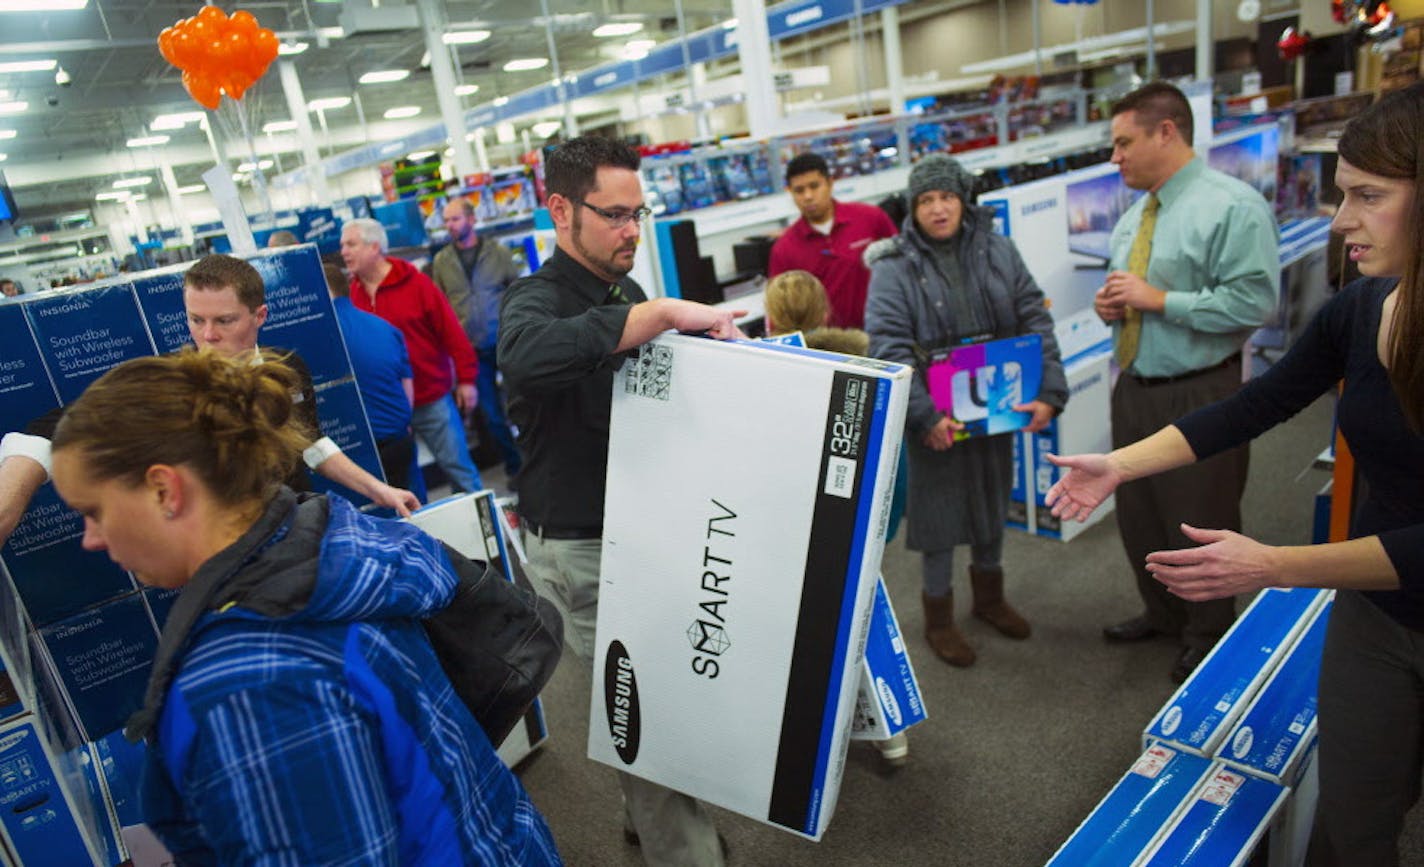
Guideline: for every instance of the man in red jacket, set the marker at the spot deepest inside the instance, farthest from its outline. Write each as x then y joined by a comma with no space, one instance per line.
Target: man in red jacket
440,354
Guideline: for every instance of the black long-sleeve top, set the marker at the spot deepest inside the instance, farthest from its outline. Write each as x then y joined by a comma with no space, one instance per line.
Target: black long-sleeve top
1340,343
559,328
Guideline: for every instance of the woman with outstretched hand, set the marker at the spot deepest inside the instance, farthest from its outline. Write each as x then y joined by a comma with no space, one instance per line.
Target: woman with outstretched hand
1371,336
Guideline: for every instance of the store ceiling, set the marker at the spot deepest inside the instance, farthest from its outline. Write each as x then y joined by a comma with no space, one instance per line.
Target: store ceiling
119,82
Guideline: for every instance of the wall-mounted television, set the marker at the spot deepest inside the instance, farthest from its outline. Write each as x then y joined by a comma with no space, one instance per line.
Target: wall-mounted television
7,202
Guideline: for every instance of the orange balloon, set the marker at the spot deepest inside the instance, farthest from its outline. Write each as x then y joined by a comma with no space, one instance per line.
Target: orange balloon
212,14
235,86
243,22
203,90
165,45
202,29
267,44
186,49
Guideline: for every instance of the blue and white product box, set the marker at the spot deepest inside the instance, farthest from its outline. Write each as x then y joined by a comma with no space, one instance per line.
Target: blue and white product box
102,657
1226,818
52,574
82,333
160,297
472,524
25,388
42,822
1205,708
160,601
1082,428
299,312
84,773
718,585
979,384
889,700
343,418
1277,732
16,672
121,763
1154,791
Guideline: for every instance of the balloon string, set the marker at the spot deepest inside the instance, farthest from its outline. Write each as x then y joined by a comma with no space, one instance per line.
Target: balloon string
259,181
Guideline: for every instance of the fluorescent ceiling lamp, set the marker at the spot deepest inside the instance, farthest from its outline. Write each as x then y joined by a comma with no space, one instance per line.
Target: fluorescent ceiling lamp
526,64
191,189
239,177
467,90
177,120
112,197
331,32
42,5
329,103
28,66
4,157
7,133
260,164
286,49
147,141
13,107
466,37
384,76
125,183
419,156
618,28
279,126
402,111
138,197
546,128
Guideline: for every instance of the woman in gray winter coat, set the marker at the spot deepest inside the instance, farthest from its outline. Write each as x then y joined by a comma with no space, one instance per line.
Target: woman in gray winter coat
945,280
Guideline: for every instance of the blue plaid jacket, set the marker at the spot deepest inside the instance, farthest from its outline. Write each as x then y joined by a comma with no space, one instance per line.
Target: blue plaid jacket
302,719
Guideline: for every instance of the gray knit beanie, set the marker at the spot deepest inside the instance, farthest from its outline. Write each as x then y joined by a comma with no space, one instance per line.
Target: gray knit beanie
939,172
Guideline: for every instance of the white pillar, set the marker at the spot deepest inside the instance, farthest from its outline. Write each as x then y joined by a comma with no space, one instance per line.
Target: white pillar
1206,65
894,68
432,17
481,154
175,200
754,52
297,107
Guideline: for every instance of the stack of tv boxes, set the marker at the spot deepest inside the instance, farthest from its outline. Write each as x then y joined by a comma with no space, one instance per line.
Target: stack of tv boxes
79,634
1226,758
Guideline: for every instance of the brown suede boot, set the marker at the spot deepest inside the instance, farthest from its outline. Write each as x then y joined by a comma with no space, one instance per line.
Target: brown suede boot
947,641
989,604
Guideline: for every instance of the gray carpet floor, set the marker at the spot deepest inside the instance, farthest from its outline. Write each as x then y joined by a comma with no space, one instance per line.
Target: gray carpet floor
1017,749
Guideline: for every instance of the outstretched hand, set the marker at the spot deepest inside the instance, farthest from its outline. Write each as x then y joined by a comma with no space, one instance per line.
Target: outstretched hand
403,501
1090,480
1224,564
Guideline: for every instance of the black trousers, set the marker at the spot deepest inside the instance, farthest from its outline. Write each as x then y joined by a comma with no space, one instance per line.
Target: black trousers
397,457
1206,494
1371,715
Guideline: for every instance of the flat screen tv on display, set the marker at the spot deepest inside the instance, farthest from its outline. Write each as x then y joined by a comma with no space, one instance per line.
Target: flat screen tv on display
7,202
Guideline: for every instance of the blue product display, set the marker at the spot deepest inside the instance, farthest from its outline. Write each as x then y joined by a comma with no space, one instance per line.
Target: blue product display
25,388
160,602
299,312
38,818
121,763
160,300
103,656
664,189
403,222
1277,731
52,574
1227,817
1157,788
979,384
83,333
1205,708
696,185
343,418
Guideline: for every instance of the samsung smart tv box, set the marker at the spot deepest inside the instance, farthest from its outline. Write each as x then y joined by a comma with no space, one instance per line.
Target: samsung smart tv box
748,491
888,700
1125,823
1203,710
1223,823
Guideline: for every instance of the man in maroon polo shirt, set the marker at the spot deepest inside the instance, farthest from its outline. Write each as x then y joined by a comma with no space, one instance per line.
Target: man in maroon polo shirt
829,239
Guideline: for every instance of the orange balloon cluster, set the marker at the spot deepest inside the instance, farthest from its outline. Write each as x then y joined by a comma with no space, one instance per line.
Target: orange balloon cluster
218,54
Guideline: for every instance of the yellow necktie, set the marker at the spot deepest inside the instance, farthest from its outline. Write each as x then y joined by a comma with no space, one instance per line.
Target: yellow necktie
1137,261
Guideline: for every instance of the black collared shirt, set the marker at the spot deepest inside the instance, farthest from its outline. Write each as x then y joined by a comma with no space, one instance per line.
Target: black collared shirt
558,329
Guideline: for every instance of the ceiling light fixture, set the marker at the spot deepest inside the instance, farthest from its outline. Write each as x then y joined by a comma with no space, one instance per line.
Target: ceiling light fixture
331,32
467,90
279,126
617,28
190,189
402,111
420,156
7,133
526,64
287,49
178,120
384,76
112,197
62,78
13,107
465,37
125,183
329,103
28,66
147,141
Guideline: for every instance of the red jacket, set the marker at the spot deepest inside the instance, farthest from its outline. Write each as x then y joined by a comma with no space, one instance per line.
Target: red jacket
835,258
412,303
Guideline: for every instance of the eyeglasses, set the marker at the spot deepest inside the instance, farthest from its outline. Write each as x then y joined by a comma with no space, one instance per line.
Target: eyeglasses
619,219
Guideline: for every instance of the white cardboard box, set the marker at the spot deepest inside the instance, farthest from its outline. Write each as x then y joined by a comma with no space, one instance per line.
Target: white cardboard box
888,700
744,521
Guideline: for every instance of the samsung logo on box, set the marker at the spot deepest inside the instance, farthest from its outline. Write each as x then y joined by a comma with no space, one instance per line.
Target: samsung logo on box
1034,207
805,16
605,79
620,701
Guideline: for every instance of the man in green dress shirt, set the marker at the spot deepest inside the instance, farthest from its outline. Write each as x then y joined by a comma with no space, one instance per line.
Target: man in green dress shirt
1195,269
